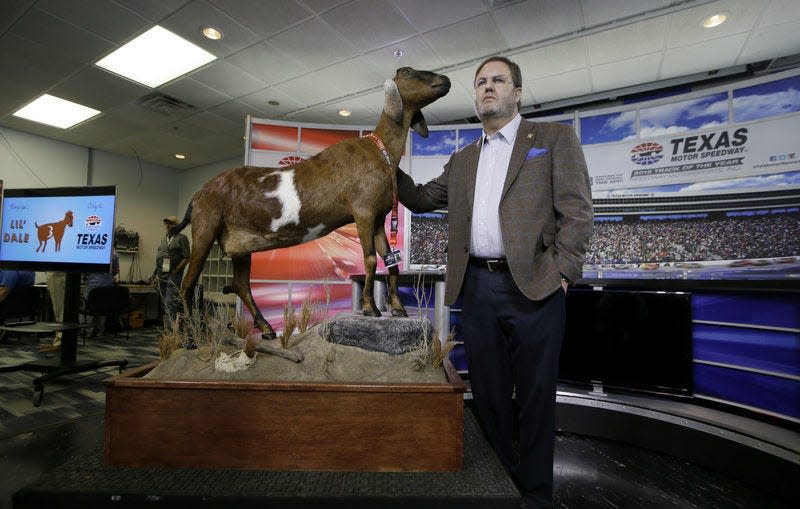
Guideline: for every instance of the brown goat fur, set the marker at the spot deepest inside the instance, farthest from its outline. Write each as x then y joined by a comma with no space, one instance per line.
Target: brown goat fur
251,209
54,230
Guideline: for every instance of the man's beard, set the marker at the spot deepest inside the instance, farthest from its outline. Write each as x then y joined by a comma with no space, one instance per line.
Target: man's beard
501,109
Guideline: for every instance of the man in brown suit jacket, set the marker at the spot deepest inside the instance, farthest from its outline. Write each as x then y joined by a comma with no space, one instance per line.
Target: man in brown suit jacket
520,218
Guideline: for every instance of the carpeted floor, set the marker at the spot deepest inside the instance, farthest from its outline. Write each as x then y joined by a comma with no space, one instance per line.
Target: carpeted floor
70,397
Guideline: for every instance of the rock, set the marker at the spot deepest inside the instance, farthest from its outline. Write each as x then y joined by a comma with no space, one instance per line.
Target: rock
392,335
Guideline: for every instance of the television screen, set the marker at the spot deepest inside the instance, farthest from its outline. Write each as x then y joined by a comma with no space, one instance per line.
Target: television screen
58,229
630,340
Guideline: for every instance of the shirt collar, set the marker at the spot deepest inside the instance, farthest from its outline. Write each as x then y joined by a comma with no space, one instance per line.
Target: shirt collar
509,131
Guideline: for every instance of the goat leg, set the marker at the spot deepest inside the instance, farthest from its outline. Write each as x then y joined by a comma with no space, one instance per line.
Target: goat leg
365,234
382,246
241,286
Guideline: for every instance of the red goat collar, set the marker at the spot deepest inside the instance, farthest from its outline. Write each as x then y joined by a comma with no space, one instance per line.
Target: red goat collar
379,143
393,223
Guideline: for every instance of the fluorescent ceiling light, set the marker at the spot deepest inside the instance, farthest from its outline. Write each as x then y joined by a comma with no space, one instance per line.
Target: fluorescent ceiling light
156,57
56,112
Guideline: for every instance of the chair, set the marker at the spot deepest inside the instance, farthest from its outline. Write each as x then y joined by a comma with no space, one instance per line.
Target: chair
110,301
20,306
22,302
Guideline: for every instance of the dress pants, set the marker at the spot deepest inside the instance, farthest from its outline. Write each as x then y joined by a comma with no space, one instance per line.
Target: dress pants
513,345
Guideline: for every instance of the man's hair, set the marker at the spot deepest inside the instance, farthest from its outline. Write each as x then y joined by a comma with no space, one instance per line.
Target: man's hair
516,73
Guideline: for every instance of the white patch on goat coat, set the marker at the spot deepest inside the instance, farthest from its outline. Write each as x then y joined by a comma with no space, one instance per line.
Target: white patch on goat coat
285,193
313,233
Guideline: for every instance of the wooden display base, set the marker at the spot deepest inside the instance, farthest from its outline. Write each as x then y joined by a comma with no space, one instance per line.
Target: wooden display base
284,425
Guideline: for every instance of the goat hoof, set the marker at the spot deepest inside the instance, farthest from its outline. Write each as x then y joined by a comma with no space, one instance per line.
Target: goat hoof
399,312
268,335
371,312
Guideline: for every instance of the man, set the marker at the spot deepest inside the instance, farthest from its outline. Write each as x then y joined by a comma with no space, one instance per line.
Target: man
171,258
520,217
10,279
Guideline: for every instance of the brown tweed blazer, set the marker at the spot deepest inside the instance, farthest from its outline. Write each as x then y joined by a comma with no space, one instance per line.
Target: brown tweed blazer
545,210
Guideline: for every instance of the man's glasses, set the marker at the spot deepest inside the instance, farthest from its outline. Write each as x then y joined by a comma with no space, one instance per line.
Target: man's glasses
497,81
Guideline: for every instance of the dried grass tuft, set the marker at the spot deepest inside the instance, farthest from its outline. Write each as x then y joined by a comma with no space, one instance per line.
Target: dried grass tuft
288,324
250,346
306,312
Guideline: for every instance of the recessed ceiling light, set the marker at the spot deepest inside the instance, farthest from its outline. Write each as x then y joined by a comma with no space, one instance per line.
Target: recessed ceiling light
344,113
273,102
156,57
180,156
54,111
398,53
212,33
715,20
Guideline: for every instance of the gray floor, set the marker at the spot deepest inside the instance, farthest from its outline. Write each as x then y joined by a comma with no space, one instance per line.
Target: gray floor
35,441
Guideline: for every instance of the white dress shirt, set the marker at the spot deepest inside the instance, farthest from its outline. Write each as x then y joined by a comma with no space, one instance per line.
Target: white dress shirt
487,239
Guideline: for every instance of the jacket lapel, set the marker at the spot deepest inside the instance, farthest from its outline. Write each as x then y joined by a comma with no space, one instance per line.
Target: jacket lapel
522,145
472,153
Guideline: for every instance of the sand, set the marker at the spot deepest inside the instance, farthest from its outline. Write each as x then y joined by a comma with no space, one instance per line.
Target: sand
323,362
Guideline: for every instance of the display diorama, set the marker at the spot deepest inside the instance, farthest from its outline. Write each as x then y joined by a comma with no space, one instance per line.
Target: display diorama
355,392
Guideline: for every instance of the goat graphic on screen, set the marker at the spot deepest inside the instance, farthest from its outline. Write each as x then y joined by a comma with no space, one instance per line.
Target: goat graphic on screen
54,230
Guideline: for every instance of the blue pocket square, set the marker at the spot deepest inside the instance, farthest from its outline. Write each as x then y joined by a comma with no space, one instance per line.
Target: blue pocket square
535,152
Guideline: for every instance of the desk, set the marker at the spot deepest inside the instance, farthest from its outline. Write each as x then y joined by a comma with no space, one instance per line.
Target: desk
145,298
55,368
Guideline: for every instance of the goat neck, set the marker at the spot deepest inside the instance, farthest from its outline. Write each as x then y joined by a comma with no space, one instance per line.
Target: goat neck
393,136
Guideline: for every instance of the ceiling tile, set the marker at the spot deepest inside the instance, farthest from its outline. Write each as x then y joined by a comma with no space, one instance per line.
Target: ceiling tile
27,70
416,54
267,63
106,19
10,10
258,103
369,24
625,73
771,42
320,6
628,41
686,26
306,89
98,89
351,76
527,22
233,110
61,37
425,15
600,12
560,86
189,21
154,10
195,93
779,12
451,107
324,48
705,56
467,40
553,59
228,79
264,18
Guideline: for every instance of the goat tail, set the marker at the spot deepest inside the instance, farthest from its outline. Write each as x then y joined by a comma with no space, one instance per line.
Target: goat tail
187,218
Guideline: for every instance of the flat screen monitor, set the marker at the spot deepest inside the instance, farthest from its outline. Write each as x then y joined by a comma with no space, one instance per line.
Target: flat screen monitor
631,340
66,229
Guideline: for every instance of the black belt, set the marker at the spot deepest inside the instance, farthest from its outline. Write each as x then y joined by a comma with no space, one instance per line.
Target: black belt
490,264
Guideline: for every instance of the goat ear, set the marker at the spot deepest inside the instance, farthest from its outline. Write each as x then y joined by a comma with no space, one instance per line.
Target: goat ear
393,105
419,125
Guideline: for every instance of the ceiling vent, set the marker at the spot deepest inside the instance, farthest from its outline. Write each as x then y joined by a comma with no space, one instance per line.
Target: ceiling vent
166,105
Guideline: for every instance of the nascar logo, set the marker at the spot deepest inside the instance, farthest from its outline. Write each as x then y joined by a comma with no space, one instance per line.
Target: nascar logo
93,222
647,153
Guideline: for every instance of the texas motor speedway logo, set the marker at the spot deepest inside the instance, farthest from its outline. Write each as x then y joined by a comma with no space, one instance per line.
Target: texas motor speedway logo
700,152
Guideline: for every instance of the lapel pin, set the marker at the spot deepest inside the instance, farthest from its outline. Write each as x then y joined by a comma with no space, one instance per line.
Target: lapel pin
530,136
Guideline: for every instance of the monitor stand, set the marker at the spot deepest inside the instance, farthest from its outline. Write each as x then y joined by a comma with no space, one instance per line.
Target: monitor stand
67,364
